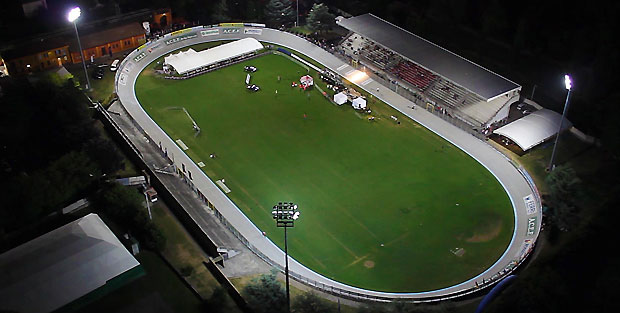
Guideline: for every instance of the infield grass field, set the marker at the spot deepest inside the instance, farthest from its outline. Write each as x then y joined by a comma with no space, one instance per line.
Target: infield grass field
384,206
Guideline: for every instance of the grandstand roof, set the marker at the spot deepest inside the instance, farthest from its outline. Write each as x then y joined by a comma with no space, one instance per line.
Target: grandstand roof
61,266
533,129
460,71
189,60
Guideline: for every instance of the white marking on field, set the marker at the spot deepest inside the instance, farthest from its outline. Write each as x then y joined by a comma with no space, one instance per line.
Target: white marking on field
222,185
201,164
349,72
182,144
364,83
341,67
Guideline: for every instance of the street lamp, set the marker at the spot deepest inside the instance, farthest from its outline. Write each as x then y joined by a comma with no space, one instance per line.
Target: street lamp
569,85
297,22
73,15
285,214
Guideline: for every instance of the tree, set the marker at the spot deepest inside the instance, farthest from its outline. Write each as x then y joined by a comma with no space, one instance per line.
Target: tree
125,206
310,302
220,12
279,12
319,18
265,294
564,197
105,153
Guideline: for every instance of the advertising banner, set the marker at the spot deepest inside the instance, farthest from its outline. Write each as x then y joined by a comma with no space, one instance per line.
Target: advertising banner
210,32
253,31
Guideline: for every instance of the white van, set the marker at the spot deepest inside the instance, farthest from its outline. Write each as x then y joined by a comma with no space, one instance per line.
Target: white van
114,65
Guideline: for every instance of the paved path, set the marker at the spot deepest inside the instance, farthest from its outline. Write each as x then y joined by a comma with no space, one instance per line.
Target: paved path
517,187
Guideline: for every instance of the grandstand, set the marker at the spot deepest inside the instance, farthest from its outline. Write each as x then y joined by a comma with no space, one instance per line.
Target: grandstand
461,88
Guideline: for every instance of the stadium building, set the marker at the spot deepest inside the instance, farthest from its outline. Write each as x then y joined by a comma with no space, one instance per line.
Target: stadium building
441,79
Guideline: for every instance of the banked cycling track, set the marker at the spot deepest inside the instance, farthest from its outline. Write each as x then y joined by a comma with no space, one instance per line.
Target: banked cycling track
517,183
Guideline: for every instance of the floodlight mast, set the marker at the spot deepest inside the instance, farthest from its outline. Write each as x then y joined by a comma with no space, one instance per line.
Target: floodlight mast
568,83
285,215
73,15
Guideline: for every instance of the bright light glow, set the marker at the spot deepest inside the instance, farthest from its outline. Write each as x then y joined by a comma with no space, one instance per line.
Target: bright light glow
74,14
568,82
357,76
296,215
28,65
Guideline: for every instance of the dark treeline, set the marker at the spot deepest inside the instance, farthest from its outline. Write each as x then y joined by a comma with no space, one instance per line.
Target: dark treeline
53,153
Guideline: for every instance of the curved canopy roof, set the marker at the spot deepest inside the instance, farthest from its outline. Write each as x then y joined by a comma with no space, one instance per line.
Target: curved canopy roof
533,129
189,60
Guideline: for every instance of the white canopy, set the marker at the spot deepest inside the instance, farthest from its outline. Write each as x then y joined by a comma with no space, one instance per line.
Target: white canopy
533,129
189,60
359,103
340,98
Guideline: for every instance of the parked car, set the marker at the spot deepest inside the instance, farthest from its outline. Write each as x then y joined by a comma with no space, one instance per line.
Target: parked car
250,69
114,65
253,87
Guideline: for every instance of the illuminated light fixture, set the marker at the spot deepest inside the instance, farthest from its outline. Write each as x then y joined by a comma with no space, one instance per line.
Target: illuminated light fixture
357,76
285,214
568,82
74,14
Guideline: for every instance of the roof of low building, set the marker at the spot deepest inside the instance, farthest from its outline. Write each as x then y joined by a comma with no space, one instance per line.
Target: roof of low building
61,266
98,38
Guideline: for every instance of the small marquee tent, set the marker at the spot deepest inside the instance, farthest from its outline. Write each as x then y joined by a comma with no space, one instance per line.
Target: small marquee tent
306,81
340,98
359,103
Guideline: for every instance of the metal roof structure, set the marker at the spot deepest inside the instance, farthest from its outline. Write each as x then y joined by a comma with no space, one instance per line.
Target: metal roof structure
534,128
473,77
61,266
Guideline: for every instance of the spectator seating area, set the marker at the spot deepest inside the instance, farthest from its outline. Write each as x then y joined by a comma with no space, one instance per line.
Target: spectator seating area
381,57
451,94
414,74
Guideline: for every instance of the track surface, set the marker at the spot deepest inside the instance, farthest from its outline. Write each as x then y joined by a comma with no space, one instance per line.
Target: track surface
526,225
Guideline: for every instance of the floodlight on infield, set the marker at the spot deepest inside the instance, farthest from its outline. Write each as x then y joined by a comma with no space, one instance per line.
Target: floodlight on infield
357,76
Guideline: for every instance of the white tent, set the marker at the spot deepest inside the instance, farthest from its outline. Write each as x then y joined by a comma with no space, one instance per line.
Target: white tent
340,98
186,61
359,103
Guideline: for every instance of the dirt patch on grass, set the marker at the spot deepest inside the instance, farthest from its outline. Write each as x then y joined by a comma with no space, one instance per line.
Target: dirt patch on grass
488,233
369,264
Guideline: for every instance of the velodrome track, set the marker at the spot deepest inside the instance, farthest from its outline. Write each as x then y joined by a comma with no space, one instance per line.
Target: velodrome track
527,210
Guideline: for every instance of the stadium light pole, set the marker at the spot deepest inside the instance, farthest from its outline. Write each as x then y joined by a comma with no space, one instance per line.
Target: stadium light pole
569,85
285,214
73,15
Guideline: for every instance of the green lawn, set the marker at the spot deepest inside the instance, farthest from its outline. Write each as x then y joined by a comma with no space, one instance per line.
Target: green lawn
383,205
